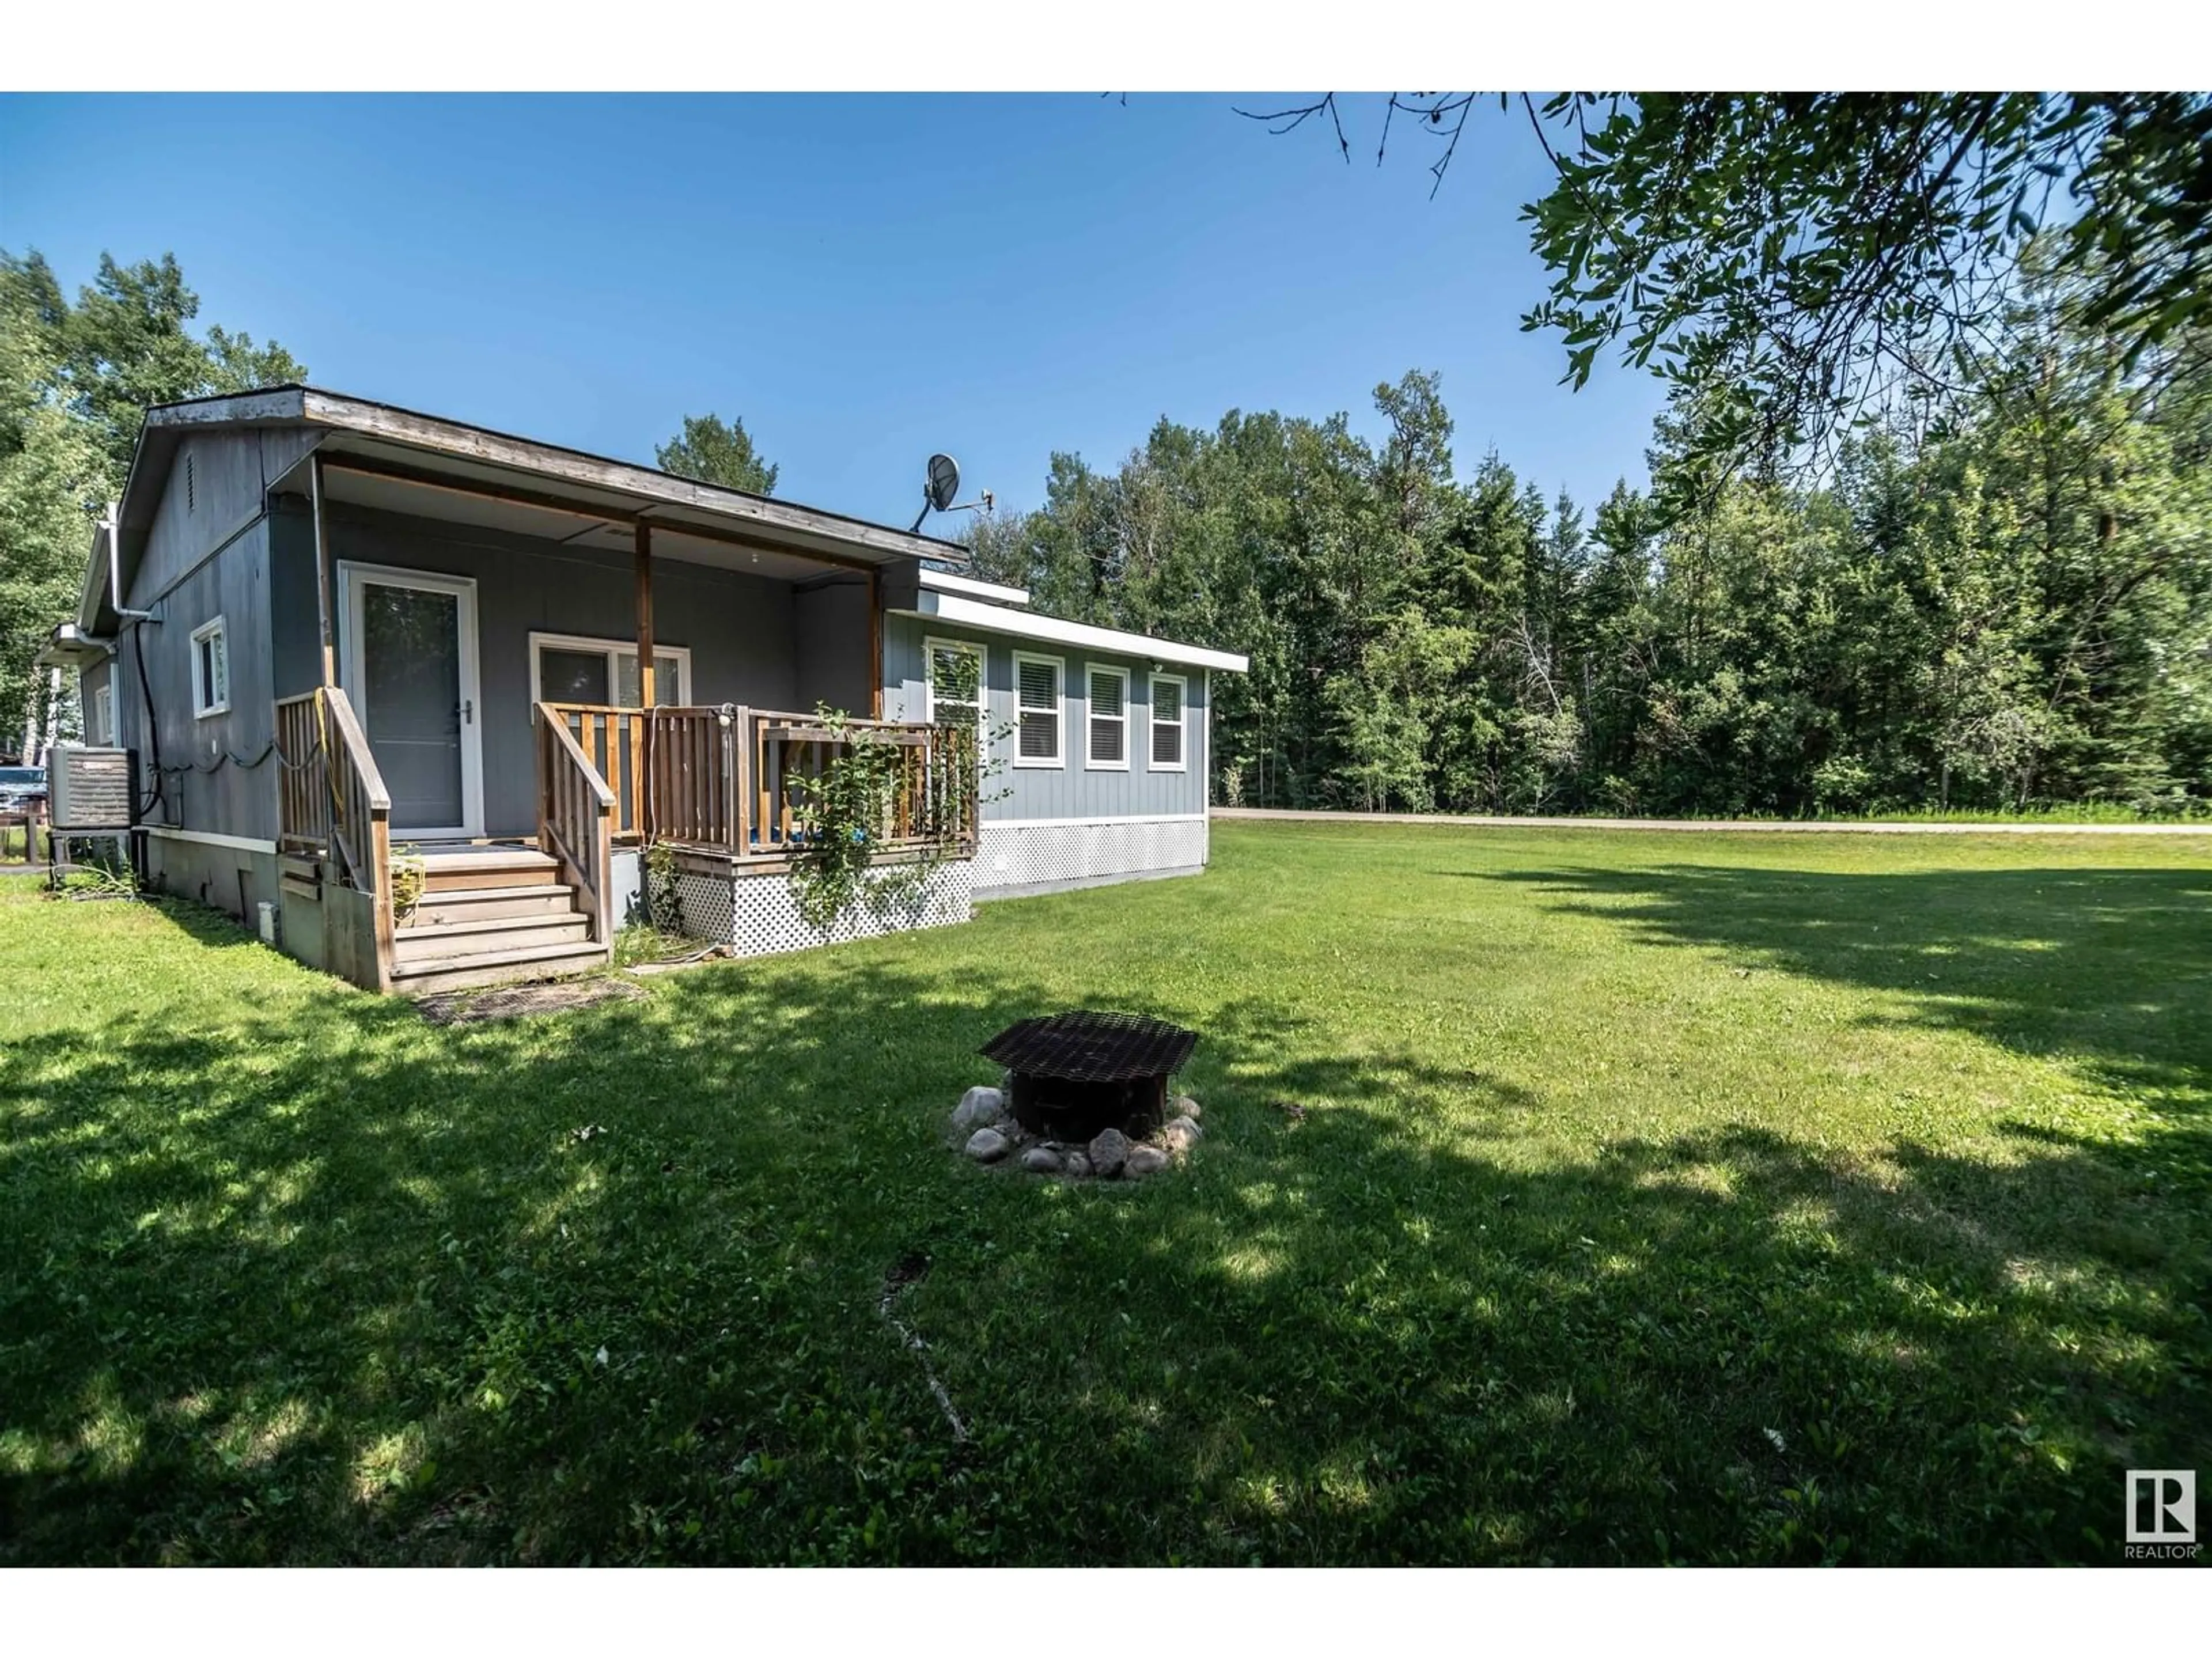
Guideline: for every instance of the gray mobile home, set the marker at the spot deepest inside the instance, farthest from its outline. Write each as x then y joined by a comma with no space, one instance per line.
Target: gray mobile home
350,645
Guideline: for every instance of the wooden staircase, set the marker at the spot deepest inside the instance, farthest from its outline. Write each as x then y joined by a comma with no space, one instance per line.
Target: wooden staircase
491,918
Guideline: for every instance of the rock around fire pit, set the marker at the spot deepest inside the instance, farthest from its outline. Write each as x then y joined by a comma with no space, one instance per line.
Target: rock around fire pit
1073,1075
985,1128
1086,1094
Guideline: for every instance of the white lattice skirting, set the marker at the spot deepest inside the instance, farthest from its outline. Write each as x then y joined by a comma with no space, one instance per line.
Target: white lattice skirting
1026,854
759,913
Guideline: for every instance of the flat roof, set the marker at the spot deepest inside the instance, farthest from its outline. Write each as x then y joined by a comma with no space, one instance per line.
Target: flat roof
960,609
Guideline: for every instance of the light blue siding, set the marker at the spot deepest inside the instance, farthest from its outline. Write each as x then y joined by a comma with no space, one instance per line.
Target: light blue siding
1070,790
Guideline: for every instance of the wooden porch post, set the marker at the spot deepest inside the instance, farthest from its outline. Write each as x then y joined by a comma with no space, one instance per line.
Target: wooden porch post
644,770
875,644
644,614
322,572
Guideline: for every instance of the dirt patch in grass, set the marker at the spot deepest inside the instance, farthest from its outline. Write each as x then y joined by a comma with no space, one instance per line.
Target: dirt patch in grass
514,1001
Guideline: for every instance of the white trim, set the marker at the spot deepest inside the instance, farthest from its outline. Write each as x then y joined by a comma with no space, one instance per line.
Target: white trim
613,649
976,648
1091,717
99,718
1153,722
945,582
1057,762
352,577
209,838
1078,824
970,613
205,704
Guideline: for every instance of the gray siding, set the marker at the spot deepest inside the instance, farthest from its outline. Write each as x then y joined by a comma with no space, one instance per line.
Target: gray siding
216,774
741,628
88,684
832,647
296,649
217,481
1070,790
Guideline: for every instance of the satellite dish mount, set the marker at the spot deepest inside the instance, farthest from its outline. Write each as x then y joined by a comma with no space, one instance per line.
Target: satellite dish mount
943,485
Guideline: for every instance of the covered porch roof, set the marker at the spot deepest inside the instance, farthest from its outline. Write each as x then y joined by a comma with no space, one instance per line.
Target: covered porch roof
378,455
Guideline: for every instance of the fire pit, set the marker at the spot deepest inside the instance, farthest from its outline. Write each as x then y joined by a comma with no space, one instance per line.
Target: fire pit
1073,1075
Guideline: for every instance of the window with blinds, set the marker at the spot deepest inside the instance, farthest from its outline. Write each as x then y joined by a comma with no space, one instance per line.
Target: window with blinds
1168,700
1109,749
955,683
1037,695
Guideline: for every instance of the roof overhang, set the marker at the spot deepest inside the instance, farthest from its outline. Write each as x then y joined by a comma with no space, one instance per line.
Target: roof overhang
381,455
963,611
946,581
624,494
70,647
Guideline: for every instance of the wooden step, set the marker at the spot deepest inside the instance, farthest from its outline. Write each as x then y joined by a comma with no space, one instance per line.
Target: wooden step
462,972
453,904
443,871
419,943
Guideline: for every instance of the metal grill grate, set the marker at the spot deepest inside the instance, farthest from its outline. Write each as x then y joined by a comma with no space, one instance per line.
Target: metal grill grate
1092,1048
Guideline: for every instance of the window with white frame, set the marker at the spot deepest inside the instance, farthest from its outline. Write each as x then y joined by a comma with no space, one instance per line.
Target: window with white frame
210,670
1038,682
1170,697
574,668
101,727
1108,750
953,693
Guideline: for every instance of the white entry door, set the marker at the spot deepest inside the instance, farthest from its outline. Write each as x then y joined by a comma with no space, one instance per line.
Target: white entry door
409,664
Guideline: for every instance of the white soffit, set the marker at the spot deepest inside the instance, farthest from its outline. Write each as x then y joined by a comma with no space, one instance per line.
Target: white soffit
1027,625
945,582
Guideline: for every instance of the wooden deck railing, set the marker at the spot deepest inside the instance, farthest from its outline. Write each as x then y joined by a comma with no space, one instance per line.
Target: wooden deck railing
730,778
575,818
331,802
360,813
613,740
303,778
330,795
933,802
696,773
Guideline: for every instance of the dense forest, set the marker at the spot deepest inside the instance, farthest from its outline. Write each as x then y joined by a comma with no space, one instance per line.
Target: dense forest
2005,608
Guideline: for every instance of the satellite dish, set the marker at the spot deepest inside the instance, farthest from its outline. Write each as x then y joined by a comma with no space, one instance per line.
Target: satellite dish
944,481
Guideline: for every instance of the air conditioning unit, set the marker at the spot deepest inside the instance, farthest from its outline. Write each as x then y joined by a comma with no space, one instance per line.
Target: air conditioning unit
90,790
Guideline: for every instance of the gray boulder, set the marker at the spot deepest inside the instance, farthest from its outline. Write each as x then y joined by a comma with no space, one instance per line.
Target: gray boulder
1186,1107
1145,1160
986,1146
1181,1134
980,1109
1040,1160
1109,1151
1077,1164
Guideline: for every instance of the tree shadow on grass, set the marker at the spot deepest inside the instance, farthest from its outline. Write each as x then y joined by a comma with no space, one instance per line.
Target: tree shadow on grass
327,1283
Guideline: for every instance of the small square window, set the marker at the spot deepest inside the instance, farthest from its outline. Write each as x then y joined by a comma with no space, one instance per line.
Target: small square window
210,670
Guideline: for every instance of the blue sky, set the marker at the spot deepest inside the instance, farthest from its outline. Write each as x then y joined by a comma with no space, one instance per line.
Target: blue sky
863,280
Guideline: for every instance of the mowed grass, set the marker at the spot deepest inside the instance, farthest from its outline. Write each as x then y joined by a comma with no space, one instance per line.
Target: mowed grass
1698,1198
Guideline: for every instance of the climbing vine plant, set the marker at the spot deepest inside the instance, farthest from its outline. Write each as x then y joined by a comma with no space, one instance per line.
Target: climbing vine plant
841,814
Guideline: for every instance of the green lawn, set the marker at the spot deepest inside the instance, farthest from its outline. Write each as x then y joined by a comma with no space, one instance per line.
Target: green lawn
1698,1198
